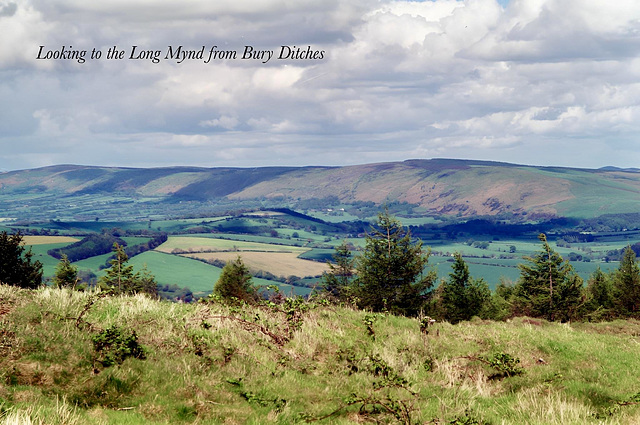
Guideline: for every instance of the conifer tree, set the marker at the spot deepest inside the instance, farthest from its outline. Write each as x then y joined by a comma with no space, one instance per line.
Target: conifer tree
390,271
144,281
627,284
454,291
16,265
118,277
462,296
66,275
599,293
235,282
548,286
337,280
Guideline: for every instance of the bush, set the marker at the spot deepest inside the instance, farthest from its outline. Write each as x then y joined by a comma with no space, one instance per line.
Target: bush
114,345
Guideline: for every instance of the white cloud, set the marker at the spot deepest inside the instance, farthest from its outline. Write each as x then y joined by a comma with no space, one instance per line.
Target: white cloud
399,79
224,121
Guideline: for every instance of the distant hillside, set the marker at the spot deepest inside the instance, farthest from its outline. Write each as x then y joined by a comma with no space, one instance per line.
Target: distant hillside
437,186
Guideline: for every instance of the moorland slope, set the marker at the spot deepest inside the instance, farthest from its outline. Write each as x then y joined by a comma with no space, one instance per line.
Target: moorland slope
437,186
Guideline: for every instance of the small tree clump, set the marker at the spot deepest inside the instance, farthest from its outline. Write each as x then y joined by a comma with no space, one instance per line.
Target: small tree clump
626,282
120,279
462,296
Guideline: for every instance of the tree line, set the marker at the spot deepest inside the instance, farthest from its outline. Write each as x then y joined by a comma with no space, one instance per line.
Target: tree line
99,244
390,275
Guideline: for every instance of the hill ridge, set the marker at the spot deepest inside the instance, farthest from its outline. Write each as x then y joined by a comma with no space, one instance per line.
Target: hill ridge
437,186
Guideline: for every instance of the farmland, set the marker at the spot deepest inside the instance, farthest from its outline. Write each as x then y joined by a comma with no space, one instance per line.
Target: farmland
292,248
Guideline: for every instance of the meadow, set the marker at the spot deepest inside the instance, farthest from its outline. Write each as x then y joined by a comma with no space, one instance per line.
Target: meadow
210,363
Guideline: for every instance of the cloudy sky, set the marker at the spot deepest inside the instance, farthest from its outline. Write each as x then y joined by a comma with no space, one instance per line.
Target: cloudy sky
545,82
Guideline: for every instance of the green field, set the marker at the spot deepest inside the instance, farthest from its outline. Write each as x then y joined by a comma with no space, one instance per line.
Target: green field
196,275
49,263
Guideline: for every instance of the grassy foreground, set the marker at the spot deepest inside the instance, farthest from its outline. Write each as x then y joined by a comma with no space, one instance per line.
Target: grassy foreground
303,363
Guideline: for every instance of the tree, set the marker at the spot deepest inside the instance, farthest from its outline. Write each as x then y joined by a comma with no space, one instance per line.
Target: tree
462,296
16,265
119,276
235,282
390,271
454,291
337,280
66,274
145,282
599,295
627,283
548,286
120,279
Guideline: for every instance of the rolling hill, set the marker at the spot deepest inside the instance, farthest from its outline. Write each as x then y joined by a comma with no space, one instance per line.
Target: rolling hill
436,186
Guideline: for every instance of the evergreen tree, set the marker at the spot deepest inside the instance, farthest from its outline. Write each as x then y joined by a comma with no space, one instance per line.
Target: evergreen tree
548,286
66,275
337,280
478,299
144,281
390,271
16,265
599,294
454,291
235,282
462,296
119,277
627,284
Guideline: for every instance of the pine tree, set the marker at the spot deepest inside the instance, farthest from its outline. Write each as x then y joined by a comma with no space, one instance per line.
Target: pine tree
390,271
145,282
66,275
235,282
16,265
119,277
599,293
462,296
454,291
548,286
627,284
337,280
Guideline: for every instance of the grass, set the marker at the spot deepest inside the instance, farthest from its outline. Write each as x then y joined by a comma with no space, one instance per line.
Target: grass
219,364
172,269
49,263
280,260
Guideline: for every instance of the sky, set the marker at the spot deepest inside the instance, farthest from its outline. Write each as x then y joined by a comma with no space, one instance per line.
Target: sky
540,82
